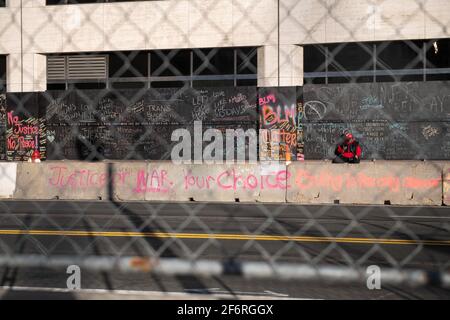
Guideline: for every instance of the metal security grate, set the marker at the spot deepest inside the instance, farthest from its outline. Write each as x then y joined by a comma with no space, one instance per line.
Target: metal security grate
86,67
79,67
56,68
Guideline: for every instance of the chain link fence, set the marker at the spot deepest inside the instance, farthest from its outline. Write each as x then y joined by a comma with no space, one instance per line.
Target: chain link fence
104,131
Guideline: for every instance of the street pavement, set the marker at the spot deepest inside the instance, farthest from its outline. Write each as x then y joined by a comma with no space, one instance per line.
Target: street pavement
387,236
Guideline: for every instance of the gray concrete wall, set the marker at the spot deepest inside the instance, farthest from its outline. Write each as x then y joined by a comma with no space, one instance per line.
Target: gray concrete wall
319,182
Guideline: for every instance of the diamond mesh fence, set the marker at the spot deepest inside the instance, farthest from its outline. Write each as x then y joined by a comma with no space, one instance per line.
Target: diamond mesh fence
138,172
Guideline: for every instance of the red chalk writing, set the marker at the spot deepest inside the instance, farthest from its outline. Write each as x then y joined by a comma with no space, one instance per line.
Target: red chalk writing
21,137
61,177
273,115
154,181
267,99
231,179
327,180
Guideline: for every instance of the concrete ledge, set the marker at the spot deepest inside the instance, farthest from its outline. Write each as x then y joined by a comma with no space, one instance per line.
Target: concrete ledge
31,182
62,180
224,182
380,182
126,187
8,173
446,186
307,182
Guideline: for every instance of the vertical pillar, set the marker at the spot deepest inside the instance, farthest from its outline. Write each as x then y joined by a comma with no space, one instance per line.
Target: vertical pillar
25,3
26,73
280,66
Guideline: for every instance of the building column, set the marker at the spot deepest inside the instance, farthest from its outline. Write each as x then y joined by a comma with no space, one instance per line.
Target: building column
25,3
288,71
27,73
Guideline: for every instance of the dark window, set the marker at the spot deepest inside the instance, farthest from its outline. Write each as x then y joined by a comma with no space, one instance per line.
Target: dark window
128,64
410,60
347,61
402,57
2,3
158,69
170,63
339,63
56,86
438,54
438,59
213,61
247,61
350,57
2,73
314,58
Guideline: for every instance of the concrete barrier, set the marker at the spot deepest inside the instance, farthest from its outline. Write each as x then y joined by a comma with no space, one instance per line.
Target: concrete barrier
446,186
276,182
380,182
320,182
224,182
163,181
125,187
66,180
78,180
237,182
8,172
31,182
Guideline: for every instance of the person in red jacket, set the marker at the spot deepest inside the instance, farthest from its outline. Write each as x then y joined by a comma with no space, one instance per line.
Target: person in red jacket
349,150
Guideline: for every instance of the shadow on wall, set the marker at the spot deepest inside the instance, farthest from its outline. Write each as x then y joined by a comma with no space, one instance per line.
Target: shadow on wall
90,149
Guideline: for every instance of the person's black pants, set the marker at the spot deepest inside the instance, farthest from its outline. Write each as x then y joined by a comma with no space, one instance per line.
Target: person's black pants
341,159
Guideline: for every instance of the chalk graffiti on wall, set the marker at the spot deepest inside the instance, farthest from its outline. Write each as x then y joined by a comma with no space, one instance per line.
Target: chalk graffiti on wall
429,131
25,126
391,120
157,180
130,124
62,177
300,132
23,136
2,126
278,124
324,179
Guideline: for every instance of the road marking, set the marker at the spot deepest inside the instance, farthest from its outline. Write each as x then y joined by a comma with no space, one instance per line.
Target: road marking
276,293
223,236
241,293
149,294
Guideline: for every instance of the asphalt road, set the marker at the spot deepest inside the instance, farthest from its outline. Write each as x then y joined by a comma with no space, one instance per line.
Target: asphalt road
388,236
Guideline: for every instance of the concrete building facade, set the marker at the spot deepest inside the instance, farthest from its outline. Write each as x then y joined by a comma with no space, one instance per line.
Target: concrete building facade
279,29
